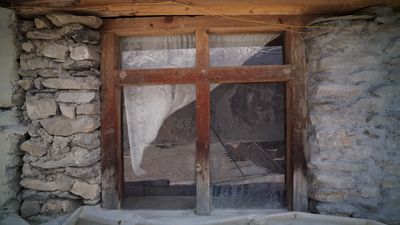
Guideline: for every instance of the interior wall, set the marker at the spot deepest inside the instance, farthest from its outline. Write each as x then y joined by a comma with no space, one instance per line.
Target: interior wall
11,131
354,138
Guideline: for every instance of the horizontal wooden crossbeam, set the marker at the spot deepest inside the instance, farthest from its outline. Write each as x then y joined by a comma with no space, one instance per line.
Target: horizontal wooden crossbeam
272,73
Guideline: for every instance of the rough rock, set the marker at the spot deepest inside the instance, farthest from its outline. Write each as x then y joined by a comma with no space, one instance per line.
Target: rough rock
89,174
76,97
80,65
40,107
42,23
37,82
85,36
79,157
87,140
68,111
89,83
60,206
55,51
26,26
62,126
85,190
30,208
84,52
30,62
62,19
55,72
27,73
28,47
88,109
50,34
25,84
39,185
34,147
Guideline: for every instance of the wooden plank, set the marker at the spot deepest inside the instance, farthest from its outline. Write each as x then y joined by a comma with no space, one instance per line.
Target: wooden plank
243,74
289,142
299,104
203,199
108,123
202,55
271,73
192,7
119,162
185,24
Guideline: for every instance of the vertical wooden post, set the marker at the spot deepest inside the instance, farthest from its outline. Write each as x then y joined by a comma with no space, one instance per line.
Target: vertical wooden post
109,122
203,188
299,104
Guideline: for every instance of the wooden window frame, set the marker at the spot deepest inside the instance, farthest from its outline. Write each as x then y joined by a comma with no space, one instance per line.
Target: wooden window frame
292,73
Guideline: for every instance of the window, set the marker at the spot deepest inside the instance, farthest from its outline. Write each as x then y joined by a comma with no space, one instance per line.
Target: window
217,53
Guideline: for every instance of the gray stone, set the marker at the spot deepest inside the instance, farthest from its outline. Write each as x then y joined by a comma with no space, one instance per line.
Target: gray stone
42,23
76,97
86,73
55,51
62,126
89,174
28,171
60,206
31,62
50,34
38,108
27,73
88,109
79,157
34,147
26,26
85,190
80,65
59,147
68,110
87,140
39,184
89,83
30,208
85,36
38,83
91,202
27,47
62,19
84,52
25,84
55,72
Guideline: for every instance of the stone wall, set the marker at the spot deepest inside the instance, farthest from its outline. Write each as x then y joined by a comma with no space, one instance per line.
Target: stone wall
354,112
59,62
11,130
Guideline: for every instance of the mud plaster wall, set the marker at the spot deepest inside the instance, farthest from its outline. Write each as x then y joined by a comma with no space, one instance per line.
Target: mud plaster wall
59,80
354,112
11,130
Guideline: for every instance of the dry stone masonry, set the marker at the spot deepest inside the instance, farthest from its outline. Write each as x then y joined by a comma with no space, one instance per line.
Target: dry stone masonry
354,112
59,62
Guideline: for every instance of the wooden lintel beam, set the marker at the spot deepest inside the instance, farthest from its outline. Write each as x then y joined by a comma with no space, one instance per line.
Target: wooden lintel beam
187,24
192,7
272,73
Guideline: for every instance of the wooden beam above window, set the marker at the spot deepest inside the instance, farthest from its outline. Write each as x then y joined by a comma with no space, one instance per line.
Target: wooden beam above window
116,8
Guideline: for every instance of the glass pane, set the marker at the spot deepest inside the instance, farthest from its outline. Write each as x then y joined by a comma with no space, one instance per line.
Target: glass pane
159,147
248,146
153,52
246,49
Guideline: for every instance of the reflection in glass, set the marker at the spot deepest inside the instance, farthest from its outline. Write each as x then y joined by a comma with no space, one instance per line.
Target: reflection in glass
153,52
246,49
248,146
